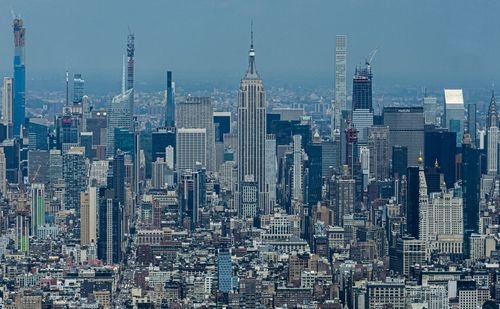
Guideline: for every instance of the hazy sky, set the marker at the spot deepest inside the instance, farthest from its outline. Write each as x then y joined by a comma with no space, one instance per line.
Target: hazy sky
451,42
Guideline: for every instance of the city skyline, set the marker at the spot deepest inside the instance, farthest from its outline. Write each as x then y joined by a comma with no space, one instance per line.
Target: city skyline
421,55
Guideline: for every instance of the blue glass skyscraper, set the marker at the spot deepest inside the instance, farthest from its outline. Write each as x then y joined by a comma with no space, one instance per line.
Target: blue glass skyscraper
18,111
170,108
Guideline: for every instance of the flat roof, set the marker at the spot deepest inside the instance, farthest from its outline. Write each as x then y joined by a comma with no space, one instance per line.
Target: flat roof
454,96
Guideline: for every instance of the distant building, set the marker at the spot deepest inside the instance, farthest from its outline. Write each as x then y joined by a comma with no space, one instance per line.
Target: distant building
75,177
378,144
37,207
454,112
340,79
89,202
7,101
191,148
119,115
430,110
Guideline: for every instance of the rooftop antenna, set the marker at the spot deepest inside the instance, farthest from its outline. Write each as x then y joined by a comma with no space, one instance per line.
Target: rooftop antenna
251,34
67,88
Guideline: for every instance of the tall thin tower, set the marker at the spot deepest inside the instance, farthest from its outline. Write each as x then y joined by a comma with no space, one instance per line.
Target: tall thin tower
493,137
252,128
18,112
170,108
130,60
340,79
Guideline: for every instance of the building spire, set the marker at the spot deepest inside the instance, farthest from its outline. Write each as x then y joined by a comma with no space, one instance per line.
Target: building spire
252,71
492,119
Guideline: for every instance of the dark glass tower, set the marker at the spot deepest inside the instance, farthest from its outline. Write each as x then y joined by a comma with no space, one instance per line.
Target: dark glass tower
399,161
471,175
362,89
440,146
412,204
109,248
170,110
18,112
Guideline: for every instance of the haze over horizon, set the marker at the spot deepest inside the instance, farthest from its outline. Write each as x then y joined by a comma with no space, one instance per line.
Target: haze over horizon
420,42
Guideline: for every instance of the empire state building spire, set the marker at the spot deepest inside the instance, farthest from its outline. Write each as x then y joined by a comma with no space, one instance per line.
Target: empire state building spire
252,70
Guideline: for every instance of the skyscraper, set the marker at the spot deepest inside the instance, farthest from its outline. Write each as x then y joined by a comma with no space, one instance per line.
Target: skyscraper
7,100
197,113
120,115
78,88
493,136
413,201
399,161
130,62
170,104
75,176
3,173
252,127
430,110
440,146
88,216
37,207
471,175
340,79
472,122
454,112
406,128
191,148
362,89
378,143
109,243
18,110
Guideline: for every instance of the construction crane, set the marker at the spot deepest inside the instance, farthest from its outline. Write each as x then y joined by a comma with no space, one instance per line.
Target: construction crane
371,56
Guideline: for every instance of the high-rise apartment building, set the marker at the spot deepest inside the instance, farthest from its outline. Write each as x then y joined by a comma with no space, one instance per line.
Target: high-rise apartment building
75,176
7,102
252,127
18,110
340,103
170,102
197,113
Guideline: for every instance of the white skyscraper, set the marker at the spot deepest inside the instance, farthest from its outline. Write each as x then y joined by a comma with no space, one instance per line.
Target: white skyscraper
7,99
430,110
197,113
493,136
191,148
3,172
454,112
252,128
271,171
88,216
340,79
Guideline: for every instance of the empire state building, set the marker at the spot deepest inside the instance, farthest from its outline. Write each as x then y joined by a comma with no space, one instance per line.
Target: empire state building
252,130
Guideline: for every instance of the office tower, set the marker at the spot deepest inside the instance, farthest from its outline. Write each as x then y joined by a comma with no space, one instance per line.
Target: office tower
170,102
406,128
75,176
345,197
86,142
407,253
11,150
418,221
161,139
297,193
38,166
191,148
192,196
271,173
340,79
430,110
88,216
119,115
7,101
97,123
493,137
19,88
78,88
454,113
3,173
362,119
330,157
352,149
55,166
67,131
119,175
98,175
197,113
472,122
314,186
222,123
378,144
399,161
130,64
38,131
37,207
249,198
125,141
364,162
162,174
252,127
224,271
440,147
362,88
109,242
412,201
471,175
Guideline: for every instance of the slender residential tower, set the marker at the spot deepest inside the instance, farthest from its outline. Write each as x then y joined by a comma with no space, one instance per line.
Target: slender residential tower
170,103
130,60
340,79
18,111
7,100
252,129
